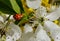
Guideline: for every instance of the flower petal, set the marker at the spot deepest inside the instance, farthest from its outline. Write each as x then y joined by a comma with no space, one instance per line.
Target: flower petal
54,30
11,17
27,37
27,34
33,3
9,38
50,25
1,19
56,40
41,11
55,34
54,15
37,13
16,36
42,35
27,28
38,28
14,31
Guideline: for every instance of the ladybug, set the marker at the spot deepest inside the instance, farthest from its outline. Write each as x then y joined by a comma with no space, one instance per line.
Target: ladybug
17,16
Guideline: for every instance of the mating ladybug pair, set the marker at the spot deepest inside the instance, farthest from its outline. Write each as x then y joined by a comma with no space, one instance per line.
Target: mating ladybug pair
17,16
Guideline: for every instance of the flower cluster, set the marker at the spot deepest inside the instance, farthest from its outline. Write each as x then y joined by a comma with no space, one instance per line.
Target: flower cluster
38,21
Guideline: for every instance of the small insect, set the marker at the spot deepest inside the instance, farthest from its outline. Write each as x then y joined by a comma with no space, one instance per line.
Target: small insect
18,16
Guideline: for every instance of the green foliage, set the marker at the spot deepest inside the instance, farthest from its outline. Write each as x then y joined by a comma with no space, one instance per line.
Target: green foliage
6,9
7,2
21,5
15,6
11,6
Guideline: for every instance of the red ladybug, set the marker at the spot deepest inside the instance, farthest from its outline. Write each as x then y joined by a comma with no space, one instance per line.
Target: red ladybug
18,16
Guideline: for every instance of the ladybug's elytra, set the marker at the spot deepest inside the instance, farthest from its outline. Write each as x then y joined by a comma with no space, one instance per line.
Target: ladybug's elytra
18,16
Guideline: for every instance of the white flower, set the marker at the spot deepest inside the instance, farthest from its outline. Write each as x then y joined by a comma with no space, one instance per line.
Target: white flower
13,32
40,34
48,24
33,3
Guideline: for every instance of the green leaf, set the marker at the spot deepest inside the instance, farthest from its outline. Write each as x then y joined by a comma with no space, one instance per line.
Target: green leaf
21,5
7,2
15,6
5,9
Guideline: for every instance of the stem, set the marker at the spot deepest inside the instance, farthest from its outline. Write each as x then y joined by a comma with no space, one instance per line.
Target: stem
7,18
7,23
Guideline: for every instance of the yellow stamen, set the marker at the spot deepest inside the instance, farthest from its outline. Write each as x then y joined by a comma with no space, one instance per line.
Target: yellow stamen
56,21
45,2
30,9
